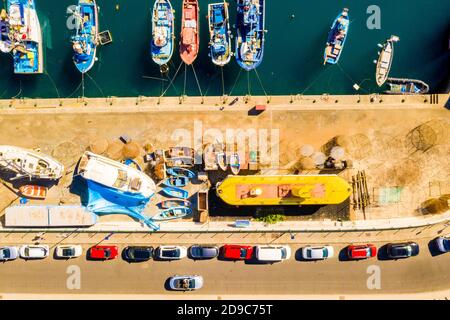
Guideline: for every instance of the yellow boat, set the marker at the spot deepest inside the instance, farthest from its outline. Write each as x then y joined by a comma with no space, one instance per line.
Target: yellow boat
283,190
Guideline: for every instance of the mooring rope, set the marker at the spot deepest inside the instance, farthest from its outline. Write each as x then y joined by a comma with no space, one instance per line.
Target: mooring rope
260,83
196,79
20,90
315,80
351,79
53,83
82,85
76,89
172,80
248,84
184,86
223,81
235,81
95,83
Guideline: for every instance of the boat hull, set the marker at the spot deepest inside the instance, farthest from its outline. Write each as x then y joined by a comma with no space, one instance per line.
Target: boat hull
406,86
33,192
336,38
163,24
176,192
384,62
219,30
190,38
167,204
172,214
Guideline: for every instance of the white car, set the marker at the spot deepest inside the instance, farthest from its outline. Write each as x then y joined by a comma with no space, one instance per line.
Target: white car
443,243
34,251
8,253
171,252
273,253
68,251
317,253
186,283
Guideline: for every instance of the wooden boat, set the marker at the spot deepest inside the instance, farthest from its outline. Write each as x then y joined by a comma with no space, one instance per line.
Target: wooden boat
235,163
175,192
336,38
116,175
163,36
29,164
169,203
183,172
283,190
222,160
33,192
172,213
85,39
177,181
190,39
24,25
219,33
385,59
406,86
182,157
250,33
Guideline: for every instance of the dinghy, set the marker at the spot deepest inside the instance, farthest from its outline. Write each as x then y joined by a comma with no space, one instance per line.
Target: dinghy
250,33
190,39
235,163
385,59
29,164
220,33
406,86
33,192
163,24
336,38
85,39
167,204
176,171
172,213
222,160
116,175
177,181
26,32
175,192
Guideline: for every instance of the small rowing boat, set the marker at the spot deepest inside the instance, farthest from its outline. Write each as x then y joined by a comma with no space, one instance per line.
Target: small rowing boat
177,181
222,160
172,213
250,33
406,86
190,39
336,38
170,203
177,172
385,59
33,192
175,192
163,23
235,163
220,33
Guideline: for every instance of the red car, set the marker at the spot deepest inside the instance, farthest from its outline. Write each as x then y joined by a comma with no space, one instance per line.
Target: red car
237,252
362,251
103,252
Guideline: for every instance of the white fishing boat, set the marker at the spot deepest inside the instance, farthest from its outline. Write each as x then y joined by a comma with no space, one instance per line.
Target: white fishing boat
29,164
115,175
385,59
235,163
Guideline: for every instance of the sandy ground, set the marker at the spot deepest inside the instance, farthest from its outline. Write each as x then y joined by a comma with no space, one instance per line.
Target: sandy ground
405,148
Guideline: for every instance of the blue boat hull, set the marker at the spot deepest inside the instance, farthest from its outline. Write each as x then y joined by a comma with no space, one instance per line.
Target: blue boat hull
163,24
181,172
335,47
176,192
172,214
219,30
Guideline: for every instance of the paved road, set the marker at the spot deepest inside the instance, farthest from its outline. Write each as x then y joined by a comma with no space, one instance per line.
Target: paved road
423,273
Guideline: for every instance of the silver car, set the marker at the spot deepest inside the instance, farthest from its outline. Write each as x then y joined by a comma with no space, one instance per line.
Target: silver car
171,252
317,253
186,283
8,253
68,251
34,251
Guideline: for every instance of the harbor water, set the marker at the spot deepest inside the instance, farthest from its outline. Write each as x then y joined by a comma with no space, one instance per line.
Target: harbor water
293,58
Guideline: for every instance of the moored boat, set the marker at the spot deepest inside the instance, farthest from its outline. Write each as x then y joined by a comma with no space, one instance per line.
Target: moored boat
220,33
85,39
177,181
163,24
172,213
250,33
29,164
6,44
406,86
222,160
190,39
169,203
175,171
25,31
385,59
235,163
33,191
336,38
175,192
115,175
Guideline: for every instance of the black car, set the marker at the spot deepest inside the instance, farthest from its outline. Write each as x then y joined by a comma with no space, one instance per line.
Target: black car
402,250
138,254
203,252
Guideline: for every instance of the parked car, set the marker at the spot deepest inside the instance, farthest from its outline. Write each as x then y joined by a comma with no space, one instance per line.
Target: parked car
186,283
443,243
237,252
361,251
273,253
68,251
138,254
103,252
402,250
317,253
171,252
8,253
34,251
203,252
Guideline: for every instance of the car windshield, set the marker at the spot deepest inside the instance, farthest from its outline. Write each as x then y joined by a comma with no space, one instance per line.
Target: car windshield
447,244
283,253
325,252
172,253
243,253
5,253
68,252
309,253
402,251
368,252
107,253
141,253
